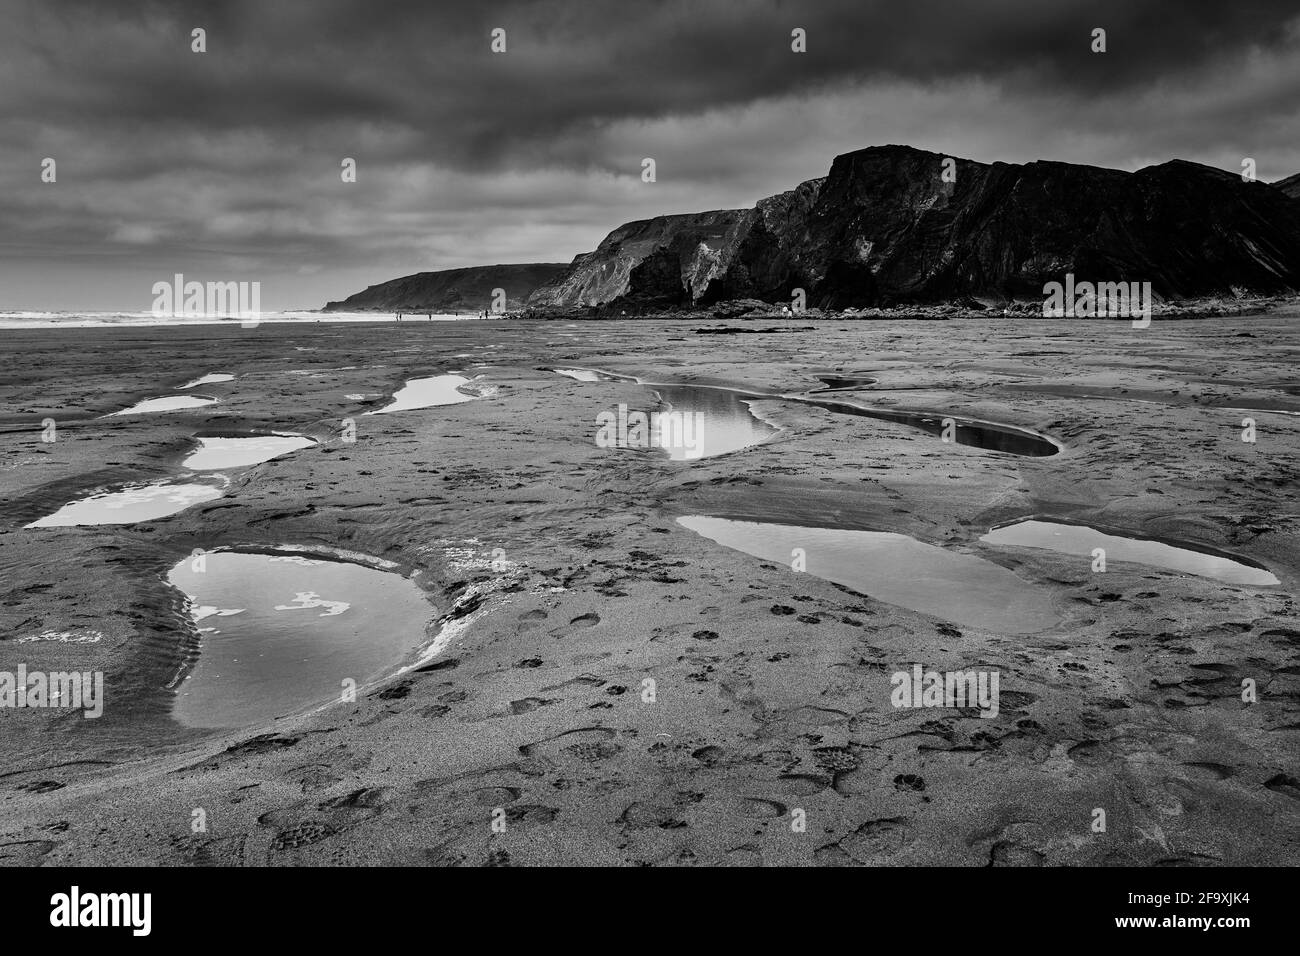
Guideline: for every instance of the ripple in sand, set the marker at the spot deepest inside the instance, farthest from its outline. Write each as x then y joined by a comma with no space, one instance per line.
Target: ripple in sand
896,569
280,633
1082,540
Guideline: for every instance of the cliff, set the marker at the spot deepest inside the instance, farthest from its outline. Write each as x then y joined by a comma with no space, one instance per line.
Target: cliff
668,259
1290,186
884,228
452,290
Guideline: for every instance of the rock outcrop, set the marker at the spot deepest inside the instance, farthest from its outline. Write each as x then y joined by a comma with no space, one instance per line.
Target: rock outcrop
668,259
886,227
1290,186
452,290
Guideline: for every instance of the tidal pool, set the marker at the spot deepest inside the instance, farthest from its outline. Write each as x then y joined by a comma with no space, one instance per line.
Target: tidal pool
426,393
992,436
715,421
217,452
700,421
1082,540
895,569
282,632
832,383
169,403
210,379
130,504
579,374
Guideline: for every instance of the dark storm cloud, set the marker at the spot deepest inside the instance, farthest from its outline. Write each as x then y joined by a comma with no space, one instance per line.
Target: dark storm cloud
534,154
426,67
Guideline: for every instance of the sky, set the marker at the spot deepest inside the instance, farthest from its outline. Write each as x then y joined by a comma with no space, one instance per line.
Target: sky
226,165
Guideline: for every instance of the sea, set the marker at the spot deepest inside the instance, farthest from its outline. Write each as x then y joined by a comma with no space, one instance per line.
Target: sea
85,320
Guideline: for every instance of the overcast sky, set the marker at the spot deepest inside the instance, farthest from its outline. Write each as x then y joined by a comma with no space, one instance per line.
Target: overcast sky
225,165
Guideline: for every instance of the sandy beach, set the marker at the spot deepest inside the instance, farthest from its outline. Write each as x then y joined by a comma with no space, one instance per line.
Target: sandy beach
602,685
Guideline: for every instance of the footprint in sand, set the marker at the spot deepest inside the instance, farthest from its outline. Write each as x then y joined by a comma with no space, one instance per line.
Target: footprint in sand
220,851
1005,853
909,783
1210,771
586,744
25,852
528,704
868,843
709,756
1284,784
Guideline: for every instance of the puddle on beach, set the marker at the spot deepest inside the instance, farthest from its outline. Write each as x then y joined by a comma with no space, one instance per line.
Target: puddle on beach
895,569
579,374
129,505
839,384
1081,540
426,393
216,452
169,403
211,379
281,632
720,419
991,436
724,422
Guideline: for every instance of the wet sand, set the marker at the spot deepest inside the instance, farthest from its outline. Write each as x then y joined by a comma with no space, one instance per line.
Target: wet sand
564,582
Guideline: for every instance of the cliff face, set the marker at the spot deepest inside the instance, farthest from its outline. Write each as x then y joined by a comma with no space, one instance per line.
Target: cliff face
883,228
888,229
1290,186
767,257
452,290
686,259
666,260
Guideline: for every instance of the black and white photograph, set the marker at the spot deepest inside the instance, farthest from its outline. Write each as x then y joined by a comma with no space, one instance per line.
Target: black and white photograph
671,434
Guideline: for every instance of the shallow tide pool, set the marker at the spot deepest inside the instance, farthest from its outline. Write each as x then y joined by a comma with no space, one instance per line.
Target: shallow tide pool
1082,540
282,632
221,452
168,403
698,421
130,504
212,378
427,393
991,436
895,569
714,422
578,374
